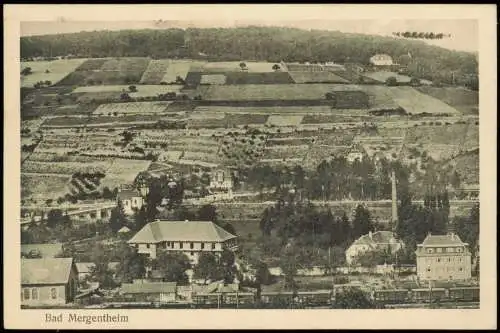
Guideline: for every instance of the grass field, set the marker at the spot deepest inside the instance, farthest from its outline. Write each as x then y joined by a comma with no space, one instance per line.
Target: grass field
234,66
464,100
128,64
233,78
58,69
279,110
43,187
255,92
132,108
91,64
382,76
67,168
451,134
177,68
217,79
415,102
156,70
123,171
316,77
284,120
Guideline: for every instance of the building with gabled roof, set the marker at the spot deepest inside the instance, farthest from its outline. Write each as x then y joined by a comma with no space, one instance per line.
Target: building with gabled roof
443,257
373,241
162,292
130,200
189,237
48,281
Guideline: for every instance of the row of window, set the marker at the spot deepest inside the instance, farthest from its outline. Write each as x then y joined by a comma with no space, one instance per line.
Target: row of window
448,249
181,245
32,293
450,259
448,269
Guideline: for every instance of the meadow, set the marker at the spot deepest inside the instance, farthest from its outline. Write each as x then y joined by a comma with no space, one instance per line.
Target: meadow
53,71
464,100
132,108
316,77
155,71
43,187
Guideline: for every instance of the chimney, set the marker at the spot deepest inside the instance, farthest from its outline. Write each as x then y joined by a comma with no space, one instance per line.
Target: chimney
370,234
394,201
186,220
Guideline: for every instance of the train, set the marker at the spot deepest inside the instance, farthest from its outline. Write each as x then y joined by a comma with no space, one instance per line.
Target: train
426,295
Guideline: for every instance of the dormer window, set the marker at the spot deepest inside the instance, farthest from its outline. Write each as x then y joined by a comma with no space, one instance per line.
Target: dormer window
429,251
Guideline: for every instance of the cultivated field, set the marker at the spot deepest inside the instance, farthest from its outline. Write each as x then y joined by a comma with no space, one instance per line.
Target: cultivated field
284,120
43,187
382,76
57,70
125,65
258,78
234,66
447,134
177,68
66,168
123,171
216,79
254,92
132,108
155,71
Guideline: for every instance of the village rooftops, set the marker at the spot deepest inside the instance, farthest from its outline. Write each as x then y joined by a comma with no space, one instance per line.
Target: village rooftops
451,239
45,271
161,231
149,287
127,194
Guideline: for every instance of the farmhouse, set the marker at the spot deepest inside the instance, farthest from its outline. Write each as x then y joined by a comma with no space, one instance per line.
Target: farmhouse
130,200
381,60
443,257
143,291
48,281
221,180
188,237
373,241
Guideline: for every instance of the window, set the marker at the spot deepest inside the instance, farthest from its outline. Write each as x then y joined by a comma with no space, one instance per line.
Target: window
439,250
191,245
26,293
213,246
202,246
192,253
181,245
449,259
429,250
34,293
147,246
53,293
438,260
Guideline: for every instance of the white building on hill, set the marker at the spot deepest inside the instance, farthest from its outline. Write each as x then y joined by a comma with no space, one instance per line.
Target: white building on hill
189,237
381,60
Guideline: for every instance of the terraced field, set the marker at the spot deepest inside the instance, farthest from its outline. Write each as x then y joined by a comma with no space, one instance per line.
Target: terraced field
316,77
449,134
53,71
235,78
288,120
43,187
178,68
234,66
415,102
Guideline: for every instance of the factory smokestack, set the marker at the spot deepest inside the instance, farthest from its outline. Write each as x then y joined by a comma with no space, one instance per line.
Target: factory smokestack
394,217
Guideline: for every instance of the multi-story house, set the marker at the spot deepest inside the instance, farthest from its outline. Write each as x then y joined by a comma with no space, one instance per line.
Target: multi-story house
443,257
381,60
48,281
189,237
130,200
373,241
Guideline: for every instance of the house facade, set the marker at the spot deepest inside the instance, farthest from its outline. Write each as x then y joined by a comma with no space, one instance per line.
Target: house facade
144,291
443,257
130,200
381,60
48,281
373,241
189,237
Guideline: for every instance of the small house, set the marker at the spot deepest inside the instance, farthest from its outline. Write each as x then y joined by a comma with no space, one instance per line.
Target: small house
381,60
143,291
373,241
130,200
48,281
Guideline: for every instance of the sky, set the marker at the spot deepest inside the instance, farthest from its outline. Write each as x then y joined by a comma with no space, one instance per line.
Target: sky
464,32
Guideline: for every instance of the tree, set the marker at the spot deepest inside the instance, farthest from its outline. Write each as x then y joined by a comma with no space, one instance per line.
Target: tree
229,228
100,272
362,222
56,217
117,218
288,265
415,81
140,218
243,65
276,67
391,81
27,71
132,265
208,213
207,267
227,266
125,97
132,89
353,298
173,266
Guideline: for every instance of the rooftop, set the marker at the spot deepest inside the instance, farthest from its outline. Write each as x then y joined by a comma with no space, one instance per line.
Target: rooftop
376,238
149,287
45,270
451,239
160,231
127,194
